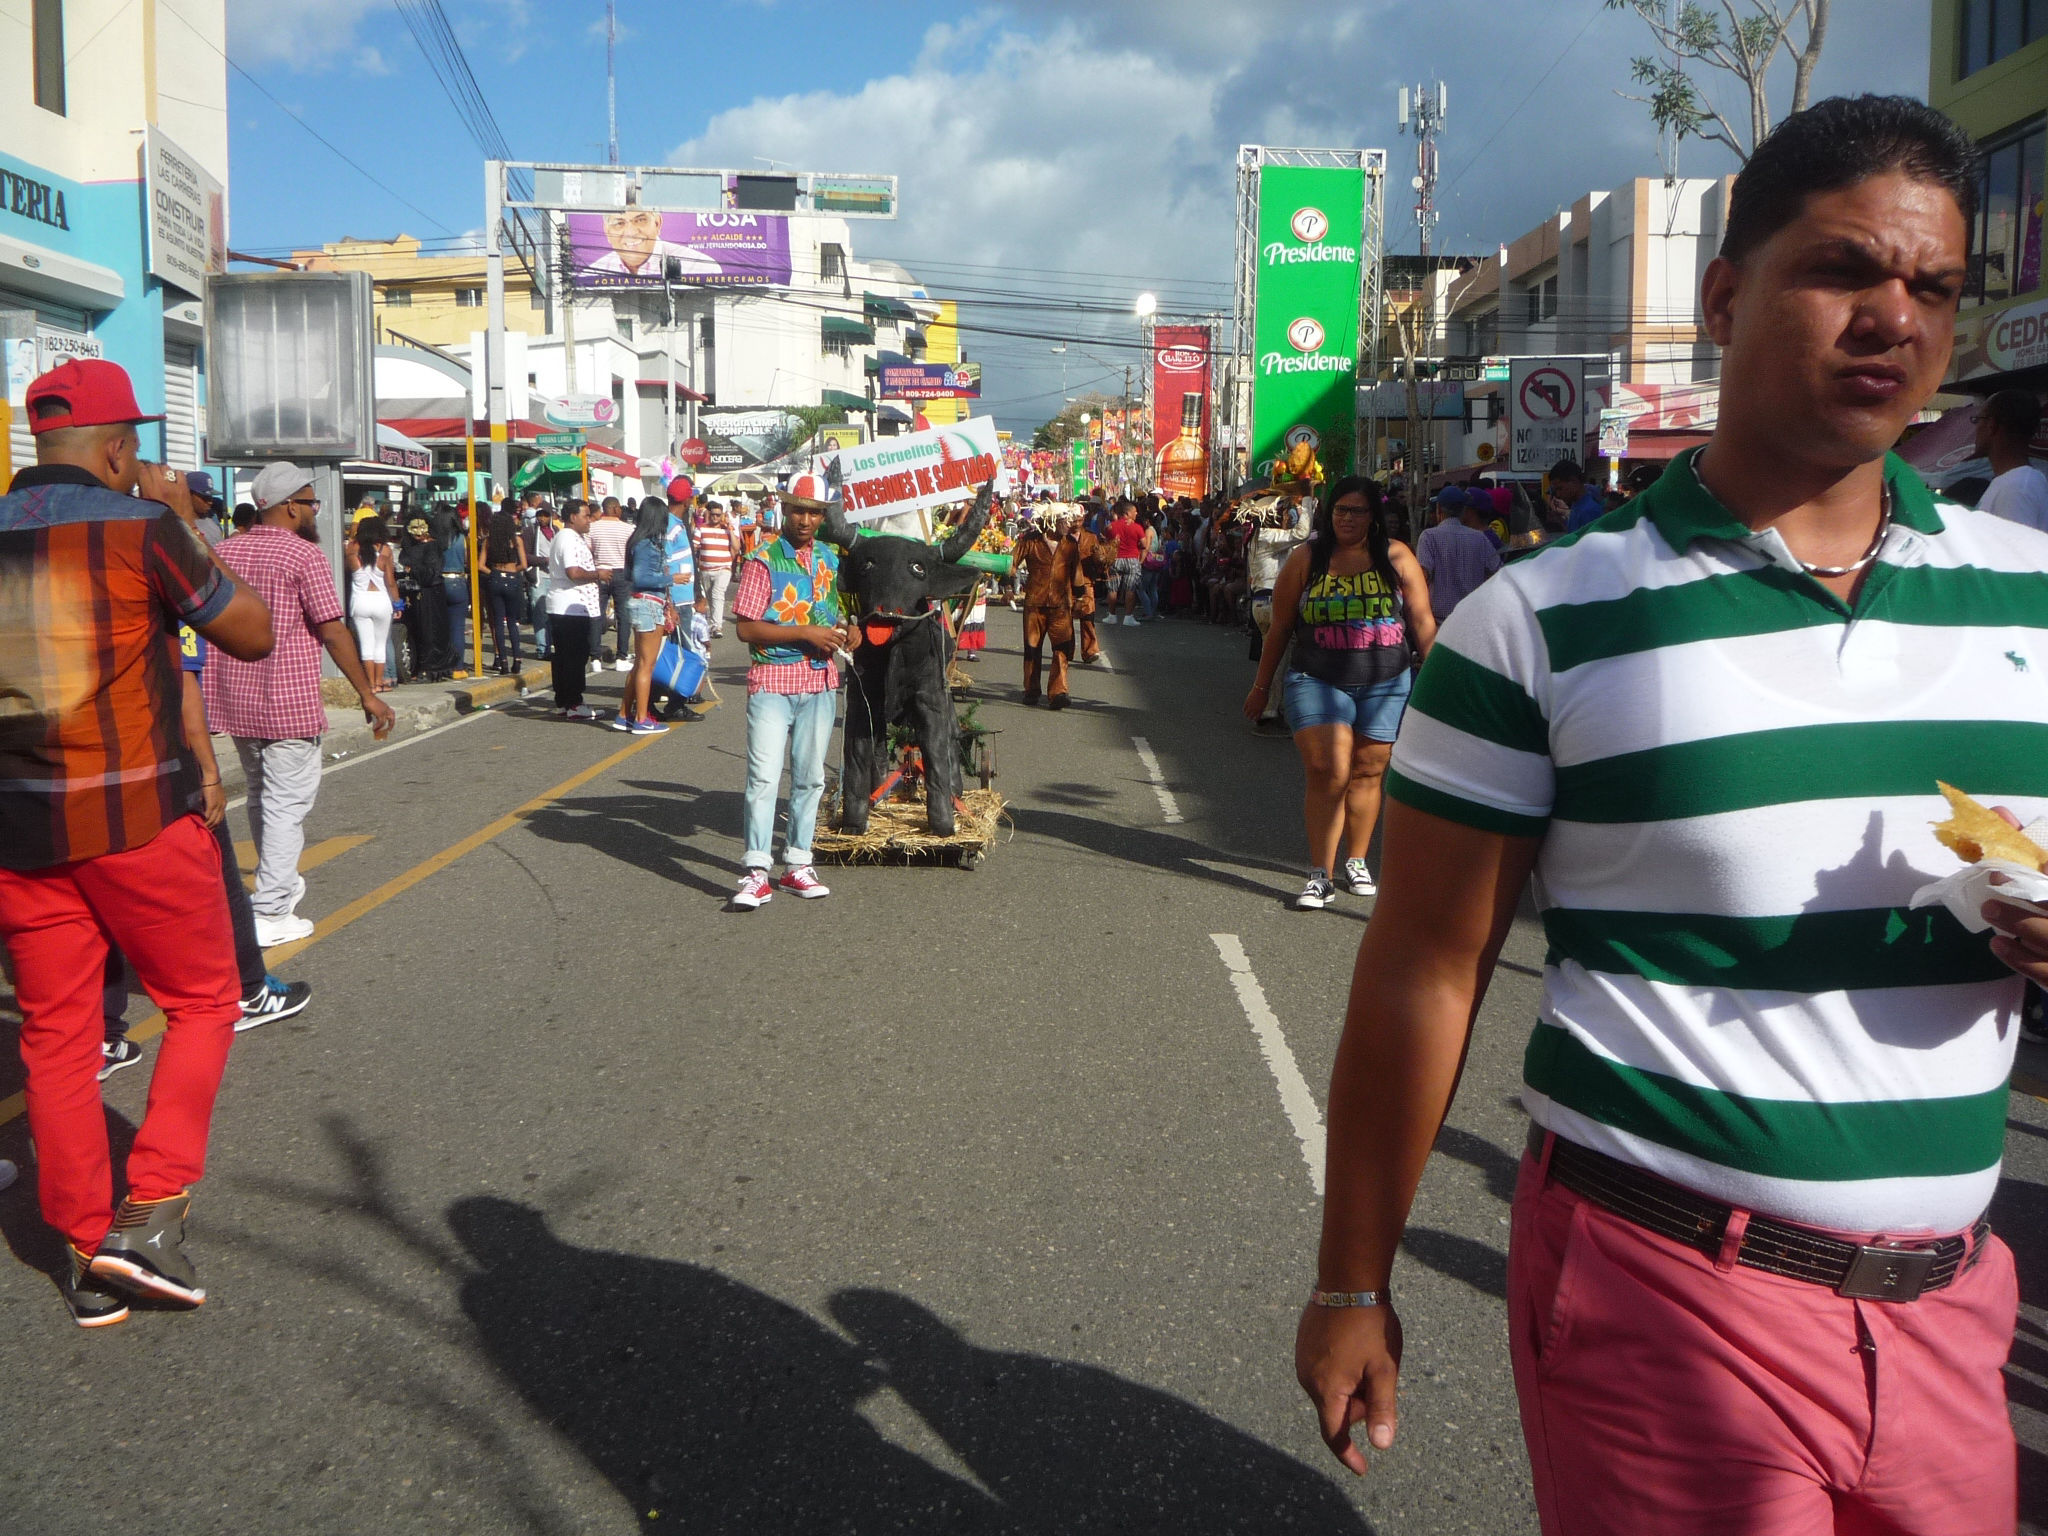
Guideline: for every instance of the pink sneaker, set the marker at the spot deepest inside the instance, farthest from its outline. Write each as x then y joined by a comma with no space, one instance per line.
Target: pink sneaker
754,890
802,881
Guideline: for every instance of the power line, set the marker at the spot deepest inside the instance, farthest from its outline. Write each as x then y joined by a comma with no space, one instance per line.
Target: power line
1501,126
339,153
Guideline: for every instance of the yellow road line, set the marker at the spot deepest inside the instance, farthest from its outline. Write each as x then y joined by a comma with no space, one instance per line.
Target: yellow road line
12,1106
312,857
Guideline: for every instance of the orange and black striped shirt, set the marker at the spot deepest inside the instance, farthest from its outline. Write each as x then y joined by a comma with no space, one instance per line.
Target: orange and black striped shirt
93,586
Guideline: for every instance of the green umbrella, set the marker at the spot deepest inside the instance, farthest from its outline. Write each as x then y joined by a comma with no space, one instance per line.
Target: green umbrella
552,467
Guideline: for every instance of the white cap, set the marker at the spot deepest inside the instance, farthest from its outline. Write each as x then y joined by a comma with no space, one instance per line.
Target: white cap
278,482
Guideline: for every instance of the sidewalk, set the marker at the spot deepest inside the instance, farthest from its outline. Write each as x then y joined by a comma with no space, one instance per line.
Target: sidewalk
420,707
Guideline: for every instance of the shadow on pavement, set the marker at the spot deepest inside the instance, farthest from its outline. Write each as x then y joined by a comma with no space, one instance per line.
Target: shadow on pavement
1162,850
648,830
713,1407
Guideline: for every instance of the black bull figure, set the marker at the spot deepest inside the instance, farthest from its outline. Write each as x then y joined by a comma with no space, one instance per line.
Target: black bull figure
894,586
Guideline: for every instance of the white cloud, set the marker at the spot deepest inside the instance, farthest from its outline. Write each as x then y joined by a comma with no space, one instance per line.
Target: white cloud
303,34
1089,139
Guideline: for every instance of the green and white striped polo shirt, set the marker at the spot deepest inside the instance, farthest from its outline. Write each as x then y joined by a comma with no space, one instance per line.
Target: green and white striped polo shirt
1733,775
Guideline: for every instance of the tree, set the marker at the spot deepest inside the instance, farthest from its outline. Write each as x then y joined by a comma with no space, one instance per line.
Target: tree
1066,426
1746,45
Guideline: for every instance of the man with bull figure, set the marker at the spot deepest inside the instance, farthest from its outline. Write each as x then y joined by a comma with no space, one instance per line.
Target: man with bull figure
788,614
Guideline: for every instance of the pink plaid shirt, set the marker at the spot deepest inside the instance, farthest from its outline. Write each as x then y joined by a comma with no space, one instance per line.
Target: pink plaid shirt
278,698
781,676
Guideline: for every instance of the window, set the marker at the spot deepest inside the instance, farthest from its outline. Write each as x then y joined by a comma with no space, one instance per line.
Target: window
838,346
1534,298
398,298
1988,30
2005,245
469,298
535,299
46,29
626,326
831,262
1550,298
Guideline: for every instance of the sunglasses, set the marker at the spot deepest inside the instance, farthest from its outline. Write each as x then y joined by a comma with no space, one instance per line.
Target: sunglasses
304,501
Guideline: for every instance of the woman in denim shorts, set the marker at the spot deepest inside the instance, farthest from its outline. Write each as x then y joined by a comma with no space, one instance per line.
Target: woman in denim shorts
1354,606
647,614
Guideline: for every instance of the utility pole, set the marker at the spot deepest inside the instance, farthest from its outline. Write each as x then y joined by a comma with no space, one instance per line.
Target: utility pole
1123,442
1423,109
611,82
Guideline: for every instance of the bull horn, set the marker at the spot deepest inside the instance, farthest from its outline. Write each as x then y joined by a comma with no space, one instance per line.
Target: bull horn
836,529
963,537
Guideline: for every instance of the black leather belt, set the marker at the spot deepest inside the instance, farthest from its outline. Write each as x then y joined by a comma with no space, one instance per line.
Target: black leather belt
1879,1271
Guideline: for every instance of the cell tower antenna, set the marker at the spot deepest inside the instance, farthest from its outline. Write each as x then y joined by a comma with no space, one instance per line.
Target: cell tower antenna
611,81
1423,114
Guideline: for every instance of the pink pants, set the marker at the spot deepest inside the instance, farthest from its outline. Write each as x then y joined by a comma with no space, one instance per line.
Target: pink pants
1660,1393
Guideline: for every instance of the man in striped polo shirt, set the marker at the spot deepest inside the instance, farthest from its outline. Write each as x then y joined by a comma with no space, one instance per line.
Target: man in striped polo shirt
1749,1284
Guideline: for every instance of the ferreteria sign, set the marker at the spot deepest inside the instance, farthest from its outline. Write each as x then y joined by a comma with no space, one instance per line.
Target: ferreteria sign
918,469
1305,313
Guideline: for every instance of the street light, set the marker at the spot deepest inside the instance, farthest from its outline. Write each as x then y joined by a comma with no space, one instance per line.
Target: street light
1146,307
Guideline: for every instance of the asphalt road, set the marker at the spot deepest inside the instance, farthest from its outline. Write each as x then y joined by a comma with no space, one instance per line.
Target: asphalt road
956,1202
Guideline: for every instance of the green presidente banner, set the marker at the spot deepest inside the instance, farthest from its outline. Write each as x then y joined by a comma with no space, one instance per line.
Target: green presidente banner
1305,315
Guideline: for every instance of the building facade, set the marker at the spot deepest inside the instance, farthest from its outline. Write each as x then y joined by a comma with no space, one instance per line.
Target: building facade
1988,69
91,150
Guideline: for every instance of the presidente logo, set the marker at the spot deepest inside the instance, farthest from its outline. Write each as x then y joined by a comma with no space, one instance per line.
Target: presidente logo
1310,226
1306,336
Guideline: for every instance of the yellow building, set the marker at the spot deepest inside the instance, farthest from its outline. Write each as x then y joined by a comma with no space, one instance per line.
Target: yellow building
1988,69
942,345
436,299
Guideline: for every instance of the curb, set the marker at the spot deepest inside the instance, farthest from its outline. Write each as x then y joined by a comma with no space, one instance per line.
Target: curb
349,735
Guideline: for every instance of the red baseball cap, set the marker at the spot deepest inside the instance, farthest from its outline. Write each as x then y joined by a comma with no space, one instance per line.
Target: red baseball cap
93,392
682,488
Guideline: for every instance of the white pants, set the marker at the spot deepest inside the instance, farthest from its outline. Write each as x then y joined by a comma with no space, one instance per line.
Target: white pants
715,583
283,779
370,615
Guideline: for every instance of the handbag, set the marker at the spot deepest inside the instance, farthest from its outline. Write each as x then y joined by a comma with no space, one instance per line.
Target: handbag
678,669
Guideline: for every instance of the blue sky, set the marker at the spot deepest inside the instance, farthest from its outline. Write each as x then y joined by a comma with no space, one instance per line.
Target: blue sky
1076,151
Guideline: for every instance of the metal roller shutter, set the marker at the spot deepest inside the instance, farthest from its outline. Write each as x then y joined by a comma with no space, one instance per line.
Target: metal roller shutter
181,404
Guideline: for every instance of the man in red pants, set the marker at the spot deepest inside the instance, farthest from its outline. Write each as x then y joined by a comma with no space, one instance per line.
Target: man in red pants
101,832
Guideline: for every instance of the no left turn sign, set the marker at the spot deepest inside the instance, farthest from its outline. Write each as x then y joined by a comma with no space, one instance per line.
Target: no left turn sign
1550,394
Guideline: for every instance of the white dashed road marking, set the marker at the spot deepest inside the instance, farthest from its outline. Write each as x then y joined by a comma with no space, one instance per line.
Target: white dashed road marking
1295,1098
1168,806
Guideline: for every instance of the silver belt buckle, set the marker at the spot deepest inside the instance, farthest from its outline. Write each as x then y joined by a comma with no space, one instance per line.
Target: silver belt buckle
1884,1272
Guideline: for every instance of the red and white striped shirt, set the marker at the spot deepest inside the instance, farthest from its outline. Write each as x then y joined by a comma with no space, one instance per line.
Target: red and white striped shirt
715,547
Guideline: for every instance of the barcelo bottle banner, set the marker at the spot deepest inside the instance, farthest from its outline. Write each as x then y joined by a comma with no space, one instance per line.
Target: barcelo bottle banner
1305,314
1180,369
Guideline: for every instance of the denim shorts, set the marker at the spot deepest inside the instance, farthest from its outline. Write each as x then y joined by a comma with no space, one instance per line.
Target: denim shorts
645,613
1373,712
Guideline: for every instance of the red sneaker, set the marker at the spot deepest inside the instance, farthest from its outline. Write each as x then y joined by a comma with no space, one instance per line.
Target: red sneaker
754,890
802,881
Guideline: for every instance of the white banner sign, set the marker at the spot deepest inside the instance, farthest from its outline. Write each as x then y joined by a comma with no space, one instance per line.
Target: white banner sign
1546,411
920,469
188,224
580,411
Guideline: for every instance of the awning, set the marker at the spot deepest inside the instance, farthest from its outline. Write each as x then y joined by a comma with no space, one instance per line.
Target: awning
683,392
871,364
845,401
880,306
611,460
894,413
553,468
847,326
396,451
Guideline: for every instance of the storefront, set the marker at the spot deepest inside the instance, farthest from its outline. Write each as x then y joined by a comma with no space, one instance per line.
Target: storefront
82,276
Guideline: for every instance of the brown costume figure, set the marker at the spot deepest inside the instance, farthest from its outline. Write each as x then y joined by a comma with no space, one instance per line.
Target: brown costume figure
1049,560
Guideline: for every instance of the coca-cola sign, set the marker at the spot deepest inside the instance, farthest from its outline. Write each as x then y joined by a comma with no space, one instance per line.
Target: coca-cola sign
1182,359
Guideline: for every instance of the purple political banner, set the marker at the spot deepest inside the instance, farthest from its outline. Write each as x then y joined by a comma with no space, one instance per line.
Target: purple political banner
628,247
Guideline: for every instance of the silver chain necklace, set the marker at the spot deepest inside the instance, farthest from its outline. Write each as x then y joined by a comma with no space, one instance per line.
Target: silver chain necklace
1884,523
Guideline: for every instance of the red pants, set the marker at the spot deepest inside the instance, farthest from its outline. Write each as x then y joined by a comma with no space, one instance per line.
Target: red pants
163,904
1661,1393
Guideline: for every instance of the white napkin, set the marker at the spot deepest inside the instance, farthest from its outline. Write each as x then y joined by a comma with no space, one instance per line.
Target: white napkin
1965,892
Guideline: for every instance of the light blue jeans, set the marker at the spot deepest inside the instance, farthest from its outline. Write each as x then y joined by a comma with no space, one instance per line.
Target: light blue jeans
799,724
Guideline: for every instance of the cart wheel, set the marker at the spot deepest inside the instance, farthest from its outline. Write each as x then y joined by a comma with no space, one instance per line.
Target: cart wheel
970,861
985,762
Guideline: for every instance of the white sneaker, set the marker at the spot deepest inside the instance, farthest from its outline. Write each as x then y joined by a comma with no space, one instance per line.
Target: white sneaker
273,931
623,664
596,667
1130,621
298,895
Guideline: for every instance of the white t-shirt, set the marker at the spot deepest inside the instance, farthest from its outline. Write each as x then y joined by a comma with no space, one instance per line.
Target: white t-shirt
2019,495
570,548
